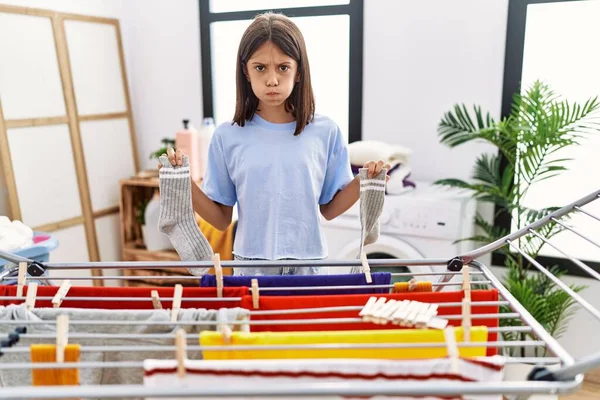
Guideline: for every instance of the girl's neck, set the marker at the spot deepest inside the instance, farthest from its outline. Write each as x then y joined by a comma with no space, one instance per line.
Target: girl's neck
275,115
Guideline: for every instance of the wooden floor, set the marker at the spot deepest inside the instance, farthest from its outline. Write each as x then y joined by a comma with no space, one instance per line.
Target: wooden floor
590,389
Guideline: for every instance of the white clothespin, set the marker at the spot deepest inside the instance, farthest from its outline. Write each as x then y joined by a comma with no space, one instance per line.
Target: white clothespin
382,314
466,304
31,293
62,336
245,327
365,267
418,309
402,317
21,278
61,293
222,325
452,348
177,294
255,293
366,311
156,300
397,316
218,274
369,315
180,351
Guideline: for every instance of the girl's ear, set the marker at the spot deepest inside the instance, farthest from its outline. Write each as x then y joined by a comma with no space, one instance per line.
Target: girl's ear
298,78
245,72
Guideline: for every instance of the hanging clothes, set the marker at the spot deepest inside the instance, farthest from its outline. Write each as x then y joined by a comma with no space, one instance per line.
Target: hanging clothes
274,281
479,334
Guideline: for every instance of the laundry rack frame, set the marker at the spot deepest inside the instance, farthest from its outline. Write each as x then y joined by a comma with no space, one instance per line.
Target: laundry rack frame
563,380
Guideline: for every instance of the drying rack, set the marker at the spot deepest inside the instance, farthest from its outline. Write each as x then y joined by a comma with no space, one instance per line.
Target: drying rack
566,378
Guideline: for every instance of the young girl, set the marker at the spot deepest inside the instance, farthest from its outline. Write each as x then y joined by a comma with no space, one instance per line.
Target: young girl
281,163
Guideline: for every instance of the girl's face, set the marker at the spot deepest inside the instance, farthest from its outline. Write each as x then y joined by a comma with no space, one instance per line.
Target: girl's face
272,75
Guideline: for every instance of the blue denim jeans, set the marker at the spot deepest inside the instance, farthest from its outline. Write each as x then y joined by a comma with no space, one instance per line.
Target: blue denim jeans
272,271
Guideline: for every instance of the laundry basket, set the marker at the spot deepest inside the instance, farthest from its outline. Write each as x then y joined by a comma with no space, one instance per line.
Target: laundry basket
43,244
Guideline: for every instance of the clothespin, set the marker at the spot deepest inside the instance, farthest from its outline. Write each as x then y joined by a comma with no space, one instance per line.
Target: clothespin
398,316
371,308
382,314
255,293
366,311
223,326
365,267
245,326
412,284
177,294
218,274
180,351
452,348
61,293
466,303
21,278
156,300
62,336
31,293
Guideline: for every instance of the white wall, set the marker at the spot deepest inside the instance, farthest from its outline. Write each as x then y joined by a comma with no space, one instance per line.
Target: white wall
421,57
163,47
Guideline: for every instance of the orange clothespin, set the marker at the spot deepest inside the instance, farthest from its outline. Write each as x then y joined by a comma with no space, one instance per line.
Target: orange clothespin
180,351
21,278
255,293
61,293
177,294
218,274
156,300
62,336
31,293
366,269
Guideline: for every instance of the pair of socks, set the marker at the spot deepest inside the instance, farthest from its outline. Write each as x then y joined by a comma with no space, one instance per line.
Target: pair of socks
178,223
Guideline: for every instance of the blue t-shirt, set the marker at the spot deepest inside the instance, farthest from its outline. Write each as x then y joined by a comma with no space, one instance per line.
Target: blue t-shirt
278,181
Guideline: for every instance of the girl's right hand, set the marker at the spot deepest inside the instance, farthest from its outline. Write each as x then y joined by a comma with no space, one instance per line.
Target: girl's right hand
175,157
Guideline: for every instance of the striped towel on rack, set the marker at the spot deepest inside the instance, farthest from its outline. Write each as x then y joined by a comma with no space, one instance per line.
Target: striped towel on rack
274,281
267,373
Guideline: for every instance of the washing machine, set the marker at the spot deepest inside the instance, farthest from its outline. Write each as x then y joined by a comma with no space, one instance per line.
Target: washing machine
424,223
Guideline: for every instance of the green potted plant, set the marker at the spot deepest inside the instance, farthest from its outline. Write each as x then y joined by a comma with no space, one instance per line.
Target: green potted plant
529,141
166,143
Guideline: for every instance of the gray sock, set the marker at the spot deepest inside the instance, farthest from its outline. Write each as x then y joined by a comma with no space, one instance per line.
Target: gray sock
372,193
177,215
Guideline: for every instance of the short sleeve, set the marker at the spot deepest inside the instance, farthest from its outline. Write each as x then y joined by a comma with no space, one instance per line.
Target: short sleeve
217,183
338,173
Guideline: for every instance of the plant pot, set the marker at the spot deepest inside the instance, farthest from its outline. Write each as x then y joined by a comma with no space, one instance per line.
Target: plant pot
155,240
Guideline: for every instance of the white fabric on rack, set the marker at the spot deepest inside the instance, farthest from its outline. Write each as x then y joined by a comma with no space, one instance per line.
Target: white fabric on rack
262,373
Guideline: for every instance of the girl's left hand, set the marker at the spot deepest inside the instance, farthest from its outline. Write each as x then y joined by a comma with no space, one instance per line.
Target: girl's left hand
376,167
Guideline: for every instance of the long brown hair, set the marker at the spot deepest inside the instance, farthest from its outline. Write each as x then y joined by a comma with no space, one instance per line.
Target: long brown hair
280,30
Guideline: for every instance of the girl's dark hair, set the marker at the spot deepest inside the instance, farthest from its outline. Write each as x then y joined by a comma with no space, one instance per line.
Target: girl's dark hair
280,30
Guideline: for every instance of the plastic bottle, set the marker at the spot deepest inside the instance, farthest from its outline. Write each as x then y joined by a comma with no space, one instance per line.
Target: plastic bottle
188,140
204,138
153,238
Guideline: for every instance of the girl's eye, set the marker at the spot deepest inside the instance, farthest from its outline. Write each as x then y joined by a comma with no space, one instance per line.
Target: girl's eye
260,68
284,67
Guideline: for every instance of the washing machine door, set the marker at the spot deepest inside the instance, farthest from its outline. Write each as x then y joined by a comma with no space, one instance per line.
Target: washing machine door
388,247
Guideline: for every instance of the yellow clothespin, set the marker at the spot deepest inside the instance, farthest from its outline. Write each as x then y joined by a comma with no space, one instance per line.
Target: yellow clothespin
62,336
31,293
452,348
180,351
365,267
218,274
255,293
177,294
466,303
156,300
61,293
21,278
